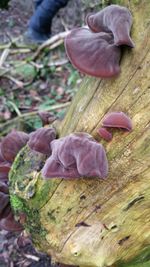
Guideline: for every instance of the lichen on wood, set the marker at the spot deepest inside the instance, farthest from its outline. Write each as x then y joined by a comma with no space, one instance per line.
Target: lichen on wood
91,222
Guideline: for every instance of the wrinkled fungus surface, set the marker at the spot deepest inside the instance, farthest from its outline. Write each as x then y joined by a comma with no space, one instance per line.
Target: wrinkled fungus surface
116,19
40,140
93,53
96,51
76,155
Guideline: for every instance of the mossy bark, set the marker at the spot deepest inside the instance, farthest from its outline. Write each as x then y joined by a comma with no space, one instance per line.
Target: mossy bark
117,210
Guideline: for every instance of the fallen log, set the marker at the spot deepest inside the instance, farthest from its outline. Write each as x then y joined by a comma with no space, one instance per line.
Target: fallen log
93,222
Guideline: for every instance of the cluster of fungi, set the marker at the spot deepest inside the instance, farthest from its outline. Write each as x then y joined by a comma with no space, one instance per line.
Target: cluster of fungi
95,51
73,156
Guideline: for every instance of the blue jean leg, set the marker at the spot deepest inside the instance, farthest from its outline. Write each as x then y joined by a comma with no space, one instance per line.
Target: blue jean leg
44,13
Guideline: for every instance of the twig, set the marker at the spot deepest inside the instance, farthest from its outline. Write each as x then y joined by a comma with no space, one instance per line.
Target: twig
15,108
51,108
59,42
20,50
64,24
58,63
36,65
4,56
32,257
49,42
3,71
20,84
2,47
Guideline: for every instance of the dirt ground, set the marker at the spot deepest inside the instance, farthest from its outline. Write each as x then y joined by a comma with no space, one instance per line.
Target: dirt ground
15,249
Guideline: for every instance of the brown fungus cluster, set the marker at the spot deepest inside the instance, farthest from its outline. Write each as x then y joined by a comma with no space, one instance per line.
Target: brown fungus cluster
96,50
9,148
76,155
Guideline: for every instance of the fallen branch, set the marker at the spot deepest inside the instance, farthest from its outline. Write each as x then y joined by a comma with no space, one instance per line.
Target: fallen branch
49,42
4,56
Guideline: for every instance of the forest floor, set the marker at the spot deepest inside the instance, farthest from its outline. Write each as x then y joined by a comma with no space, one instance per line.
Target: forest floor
51,83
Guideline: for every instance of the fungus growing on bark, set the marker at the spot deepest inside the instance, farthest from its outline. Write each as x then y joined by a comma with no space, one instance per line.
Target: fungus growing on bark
116,19
7,221
12,143
76,155
40,140
117,120
114,120
93,53
105,134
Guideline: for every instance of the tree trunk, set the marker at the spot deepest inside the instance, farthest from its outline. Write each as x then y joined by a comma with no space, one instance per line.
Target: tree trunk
117,210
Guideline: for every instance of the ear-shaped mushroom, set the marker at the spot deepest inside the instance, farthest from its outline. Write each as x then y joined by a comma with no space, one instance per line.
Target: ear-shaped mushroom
117,120
9,223
76,155
12,143
40,140
93,53
116,19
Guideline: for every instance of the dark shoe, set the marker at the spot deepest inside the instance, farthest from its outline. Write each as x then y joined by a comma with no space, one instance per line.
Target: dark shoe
33,37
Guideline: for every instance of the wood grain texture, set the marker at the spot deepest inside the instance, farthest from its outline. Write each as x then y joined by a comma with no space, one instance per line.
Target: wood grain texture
117,210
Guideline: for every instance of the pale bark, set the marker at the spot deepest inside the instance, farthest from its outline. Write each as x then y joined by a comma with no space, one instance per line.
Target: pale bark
117,210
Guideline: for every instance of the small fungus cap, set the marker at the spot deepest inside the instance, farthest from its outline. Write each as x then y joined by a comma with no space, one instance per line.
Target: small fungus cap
76,155
117,120
40,140
105,134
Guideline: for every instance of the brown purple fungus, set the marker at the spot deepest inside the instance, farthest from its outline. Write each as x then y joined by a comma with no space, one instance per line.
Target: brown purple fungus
93,53
114,120
105,134
115,19
12,143
4,170
76,155
40,140
9,148
9,224
117,120
7,221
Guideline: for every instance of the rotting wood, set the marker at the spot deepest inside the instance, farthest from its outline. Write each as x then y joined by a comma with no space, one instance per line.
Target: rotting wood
119,229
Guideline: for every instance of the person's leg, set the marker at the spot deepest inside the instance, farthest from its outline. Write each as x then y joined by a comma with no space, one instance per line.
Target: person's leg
40,22
37,3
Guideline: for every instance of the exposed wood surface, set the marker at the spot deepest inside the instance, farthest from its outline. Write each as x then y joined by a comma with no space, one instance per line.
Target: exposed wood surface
117,210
